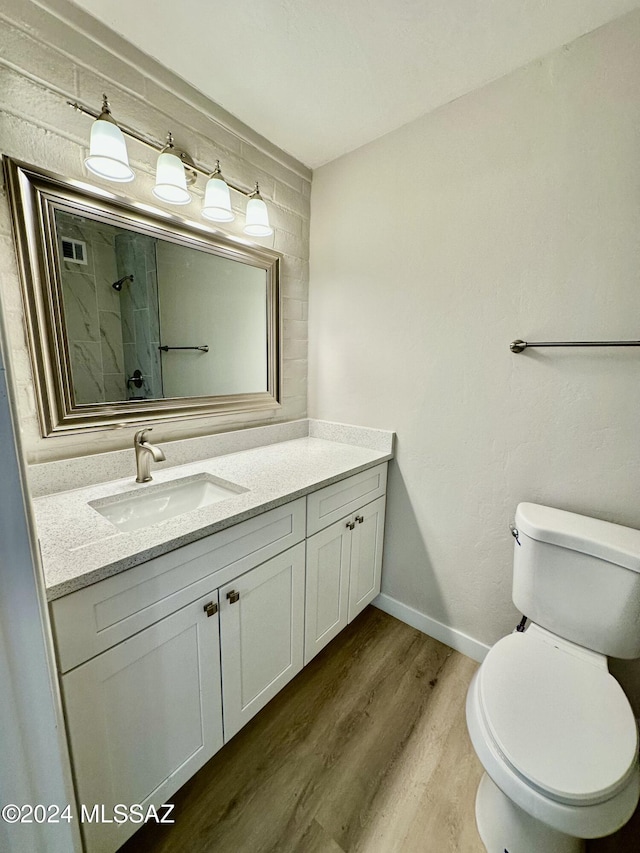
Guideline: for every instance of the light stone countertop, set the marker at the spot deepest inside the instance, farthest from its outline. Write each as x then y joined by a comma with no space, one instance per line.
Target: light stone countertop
80,547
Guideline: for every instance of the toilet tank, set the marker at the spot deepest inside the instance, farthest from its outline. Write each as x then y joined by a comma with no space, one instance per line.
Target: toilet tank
579,577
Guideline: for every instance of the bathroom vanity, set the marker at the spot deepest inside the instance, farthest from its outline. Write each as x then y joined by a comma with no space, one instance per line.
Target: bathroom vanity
172,636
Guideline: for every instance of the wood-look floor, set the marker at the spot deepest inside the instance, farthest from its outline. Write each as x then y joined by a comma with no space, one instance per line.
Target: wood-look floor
366,751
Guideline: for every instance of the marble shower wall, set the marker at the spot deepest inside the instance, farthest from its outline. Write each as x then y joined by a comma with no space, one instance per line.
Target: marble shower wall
92,312
136,256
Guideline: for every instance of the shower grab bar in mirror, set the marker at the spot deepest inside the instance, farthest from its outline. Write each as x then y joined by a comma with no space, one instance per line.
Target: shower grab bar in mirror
203,348
519,346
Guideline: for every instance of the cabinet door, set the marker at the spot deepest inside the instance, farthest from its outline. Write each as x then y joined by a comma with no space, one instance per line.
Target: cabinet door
366,556
144,716
327,590
262,635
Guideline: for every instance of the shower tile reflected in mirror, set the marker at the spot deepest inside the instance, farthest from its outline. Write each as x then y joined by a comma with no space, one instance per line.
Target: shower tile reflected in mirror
88,379
81,306
110,297
91,308
136,264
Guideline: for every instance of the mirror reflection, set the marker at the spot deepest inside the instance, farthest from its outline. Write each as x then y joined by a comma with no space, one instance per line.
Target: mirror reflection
146,318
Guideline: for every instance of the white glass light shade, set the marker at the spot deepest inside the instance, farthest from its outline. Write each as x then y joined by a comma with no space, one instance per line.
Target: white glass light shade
108,152
171,181
217,201
257,219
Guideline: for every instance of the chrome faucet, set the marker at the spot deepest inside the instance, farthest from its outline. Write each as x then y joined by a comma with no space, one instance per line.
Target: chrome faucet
144,452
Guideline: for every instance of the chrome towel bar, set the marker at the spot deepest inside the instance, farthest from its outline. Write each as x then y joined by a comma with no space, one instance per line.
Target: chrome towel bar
519,346
204,348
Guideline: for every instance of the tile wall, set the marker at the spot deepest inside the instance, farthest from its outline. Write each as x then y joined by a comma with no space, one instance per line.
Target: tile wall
92,310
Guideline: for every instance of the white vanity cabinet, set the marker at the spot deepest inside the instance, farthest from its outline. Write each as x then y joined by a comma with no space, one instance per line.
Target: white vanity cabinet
344,560
163,663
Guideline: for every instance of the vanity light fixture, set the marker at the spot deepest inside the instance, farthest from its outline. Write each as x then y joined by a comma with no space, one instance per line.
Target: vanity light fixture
217,200
257,216
171,180
108,149
175,172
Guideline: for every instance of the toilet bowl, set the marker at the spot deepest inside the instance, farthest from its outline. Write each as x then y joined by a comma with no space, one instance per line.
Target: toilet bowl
558,741
550,724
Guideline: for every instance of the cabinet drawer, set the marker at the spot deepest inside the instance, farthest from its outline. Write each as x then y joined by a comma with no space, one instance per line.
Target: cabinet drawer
339,499
95,618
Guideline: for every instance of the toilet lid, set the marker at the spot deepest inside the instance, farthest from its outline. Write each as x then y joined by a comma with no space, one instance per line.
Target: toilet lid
562,722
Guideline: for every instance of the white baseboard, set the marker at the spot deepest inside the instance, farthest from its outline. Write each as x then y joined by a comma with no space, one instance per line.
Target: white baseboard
450,636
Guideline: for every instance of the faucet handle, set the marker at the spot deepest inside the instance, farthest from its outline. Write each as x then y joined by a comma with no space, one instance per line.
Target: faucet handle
139,437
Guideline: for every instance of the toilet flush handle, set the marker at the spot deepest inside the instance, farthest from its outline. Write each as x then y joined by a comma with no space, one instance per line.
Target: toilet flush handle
515,533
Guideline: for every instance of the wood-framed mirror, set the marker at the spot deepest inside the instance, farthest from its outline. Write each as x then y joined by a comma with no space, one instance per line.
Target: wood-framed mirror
137,315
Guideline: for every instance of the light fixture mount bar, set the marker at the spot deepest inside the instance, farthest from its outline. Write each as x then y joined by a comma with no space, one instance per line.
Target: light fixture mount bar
191,168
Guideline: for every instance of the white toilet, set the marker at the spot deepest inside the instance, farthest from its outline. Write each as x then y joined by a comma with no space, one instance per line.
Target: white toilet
552,727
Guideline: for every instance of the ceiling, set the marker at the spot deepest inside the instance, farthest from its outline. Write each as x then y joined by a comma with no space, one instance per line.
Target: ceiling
321,77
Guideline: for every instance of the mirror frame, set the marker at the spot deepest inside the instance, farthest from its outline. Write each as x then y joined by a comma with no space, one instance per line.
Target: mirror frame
34,195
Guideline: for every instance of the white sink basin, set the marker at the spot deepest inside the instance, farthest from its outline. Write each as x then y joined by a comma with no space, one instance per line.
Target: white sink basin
153,504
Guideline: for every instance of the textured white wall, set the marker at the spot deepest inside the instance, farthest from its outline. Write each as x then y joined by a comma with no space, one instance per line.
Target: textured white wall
47,56
229,319
513,212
